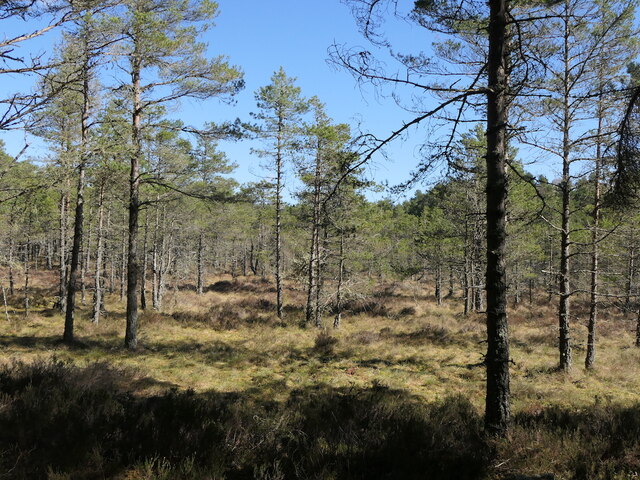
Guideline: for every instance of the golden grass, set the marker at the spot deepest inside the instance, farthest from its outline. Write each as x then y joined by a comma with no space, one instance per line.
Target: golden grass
431,351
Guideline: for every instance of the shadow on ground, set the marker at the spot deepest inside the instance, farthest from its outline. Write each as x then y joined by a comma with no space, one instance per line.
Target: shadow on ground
58,420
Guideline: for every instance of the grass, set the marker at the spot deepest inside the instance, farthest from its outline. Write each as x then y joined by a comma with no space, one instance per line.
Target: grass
225,354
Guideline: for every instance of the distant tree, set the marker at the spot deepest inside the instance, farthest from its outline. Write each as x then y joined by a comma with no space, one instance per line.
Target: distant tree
165,62
280,107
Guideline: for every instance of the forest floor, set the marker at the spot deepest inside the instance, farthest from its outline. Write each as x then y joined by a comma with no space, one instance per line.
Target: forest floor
229,341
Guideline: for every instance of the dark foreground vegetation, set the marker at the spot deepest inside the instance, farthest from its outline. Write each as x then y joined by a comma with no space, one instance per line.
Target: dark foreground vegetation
60,421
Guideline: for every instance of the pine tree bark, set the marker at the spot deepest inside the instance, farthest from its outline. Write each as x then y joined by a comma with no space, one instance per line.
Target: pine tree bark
312,306
78,229
62,290
131,334
438,291
630,270
595,218
27,277
564,310
200,286
497,360
278,232
143,278
97,291
338,318
85,262
11,277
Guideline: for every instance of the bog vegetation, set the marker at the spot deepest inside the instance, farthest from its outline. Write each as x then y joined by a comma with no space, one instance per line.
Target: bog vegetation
164,320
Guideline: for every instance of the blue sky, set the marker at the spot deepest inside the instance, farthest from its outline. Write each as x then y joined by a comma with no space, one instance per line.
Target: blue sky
261,36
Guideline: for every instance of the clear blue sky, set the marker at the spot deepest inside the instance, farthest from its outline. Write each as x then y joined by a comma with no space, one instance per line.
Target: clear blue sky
260,37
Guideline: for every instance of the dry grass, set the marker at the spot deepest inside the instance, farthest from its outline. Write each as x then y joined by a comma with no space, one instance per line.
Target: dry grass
229,340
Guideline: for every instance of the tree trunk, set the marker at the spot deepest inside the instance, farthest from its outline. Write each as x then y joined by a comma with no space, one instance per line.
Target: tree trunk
27,304
630,269
497,359
123,264
62,290
11,278
200,287
595,216
85,262
320,254
338,318
131,334
97,292
143,279
154,259
78,229
465,273
565,246
438,283
279,166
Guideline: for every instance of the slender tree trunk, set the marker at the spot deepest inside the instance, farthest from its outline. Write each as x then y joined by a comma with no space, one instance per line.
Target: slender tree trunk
338,318
6,308
163,260
97,291
314,254
438,283
49,254
123,264
62,291
450,293
551,277
279,166
497,359
154,260
516,285
200,287
11,277
131,334
565,247
630,269
638,327
27,278
466,273
320,254
143,279
78,229
312,286
595,216
85,262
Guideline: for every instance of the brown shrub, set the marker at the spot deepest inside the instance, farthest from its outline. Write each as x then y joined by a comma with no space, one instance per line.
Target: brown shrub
224,316
407,311
428,333
374,307
324,344
363,338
